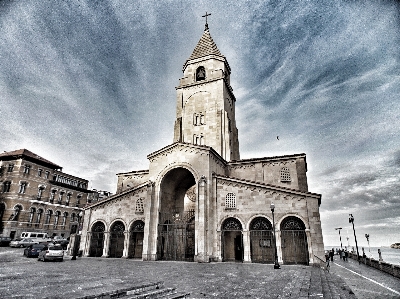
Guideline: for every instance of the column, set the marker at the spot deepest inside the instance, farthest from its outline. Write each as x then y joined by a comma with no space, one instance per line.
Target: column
201,254
106,242
149,252
87,244
125,252
279,245
246,247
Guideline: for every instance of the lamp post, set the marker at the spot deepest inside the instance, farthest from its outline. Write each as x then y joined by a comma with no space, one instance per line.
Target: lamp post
276,264
369,248
340,237
77,238
351,220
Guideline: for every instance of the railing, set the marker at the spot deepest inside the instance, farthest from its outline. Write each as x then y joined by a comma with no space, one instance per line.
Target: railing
320,262
380,265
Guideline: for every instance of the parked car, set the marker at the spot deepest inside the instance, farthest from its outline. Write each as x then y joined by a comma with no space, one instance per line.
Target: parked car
60,240
51,252
22,242
5,241
33,250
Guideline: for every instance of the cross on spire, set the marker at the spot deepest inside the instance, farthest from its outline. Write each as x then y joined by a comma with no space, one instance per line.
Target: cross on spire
206,15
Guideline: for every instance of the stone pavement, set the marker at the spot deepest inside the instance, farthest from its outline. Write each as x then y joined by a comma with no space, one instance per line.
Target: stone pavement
22,277
366,282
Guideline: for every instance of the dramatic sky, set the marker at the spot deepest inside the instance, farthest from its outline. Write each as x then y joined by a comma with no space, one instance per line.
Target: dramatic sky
90,85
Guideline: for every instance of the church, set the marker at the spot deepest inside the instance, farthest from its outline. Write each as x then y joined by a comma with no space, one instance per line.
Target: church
198,201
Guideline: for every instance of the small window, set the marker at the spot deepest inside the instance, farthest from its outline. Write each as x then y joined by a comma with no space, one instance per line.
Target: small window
46,174
39,172
6,186
140,205
199,119
200,73
10,167
22,187
27,169
285,175
230,201
40,192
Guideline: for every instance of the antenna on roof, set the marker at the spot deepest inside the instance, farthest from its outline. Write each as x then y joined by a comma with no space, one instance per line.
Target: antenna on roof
206,15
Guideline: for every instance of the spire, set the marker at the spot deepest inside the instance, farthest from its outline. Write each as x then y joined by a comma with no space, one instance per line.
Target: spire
206,46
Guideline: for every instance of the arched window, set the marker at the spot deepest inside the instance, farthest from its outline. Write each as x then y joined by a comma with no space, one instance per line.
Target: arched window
200,73
69,195
73,215
15,215
52,195
56,218
39,216
48,216
40,192
64,220
230,201
231,224
139,205
60,196
285,174
31,215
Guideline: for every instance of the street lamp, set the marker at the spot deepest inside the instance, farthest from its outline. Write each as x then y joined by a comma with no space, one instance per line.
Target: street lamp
351,220
276,264
340,237
77,238
369,248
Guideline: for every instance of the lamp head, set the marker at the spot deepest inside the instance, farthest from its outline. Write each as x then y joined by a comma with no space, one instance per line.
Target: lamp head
272,206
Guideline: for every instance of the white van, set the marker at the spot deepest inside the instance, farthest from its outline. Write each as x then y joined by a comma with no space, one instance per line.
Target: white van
36,236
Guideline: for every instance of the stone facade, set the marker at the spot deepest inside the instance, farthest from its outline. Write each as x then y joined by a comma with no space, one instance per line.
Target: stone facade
198,201
36,195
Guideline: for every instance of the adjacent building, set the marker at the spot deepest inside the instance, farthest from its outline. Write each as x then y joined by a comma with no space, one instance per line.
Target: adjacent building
198,201
35,195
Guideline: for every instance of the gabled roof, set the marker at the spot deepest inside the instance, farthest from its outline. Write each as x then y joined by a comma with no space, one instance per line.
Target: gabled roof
28,155
206,46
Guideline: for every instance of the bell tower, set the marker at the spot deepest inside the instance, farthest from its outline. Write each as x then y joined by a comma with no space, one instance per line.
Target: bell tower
205,105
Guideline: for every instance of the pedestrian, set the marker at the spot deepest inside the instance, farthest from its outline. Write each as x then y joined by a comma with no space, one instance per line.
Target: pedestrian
331,254
341,253
346,255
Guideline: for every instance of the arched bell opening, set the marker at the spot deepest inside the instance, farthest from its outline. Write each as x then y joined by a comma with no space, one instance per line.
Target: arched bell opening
261,241
136,235
294,241
117,239
176,227
97,239
232,240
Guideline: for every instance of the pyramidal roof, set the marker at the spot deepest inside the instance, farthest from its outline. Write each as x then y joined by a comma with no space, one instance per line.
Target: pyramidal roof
206,46
24,153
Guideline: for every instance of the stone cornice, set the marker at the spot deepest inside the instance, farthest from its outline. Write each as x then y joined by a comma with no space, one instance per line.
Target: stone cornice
134,172
268,186
184,146
266,159
117,196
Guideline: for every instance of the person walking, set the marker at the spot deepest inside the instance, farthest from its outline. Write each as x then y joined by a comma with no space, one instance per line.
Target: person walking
331,254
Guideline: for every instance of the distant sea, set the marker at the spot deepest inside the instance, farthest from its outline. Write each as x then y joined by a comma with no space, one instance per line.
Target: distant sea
389,255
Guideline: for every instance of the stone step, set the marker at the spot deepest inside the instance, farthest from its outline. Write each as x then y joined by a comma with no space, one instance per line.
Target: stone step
160,293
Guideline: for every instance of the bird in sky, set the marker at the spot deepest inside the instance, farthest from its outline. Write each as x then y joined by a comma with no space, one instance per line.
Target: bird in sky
277,137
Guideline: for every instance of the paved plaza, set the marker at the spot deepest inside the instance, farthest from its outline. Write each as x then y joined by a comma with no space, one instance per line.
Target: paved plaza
22,277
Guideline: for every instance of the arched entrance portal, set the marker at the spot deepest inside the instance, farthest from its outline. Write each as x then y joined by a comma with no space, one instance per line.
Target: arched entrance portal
294,241
261,241
117,238
136,239
176,229
97,240
232,240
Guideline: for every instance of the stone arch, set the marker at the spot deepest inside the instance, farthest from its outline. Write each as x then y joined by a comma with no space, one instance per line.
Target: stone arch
176,226
117,239
232,239
136,236
294,241
97,238
261,240
16,213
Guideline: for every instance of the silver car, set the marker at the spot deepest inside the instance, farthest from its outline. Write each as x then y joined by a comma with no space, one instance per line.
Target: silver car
51,253
22,242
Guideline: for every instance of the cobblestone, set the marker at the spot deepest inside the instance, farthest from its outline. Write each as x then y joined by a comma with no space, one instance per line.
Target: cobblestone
22,277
